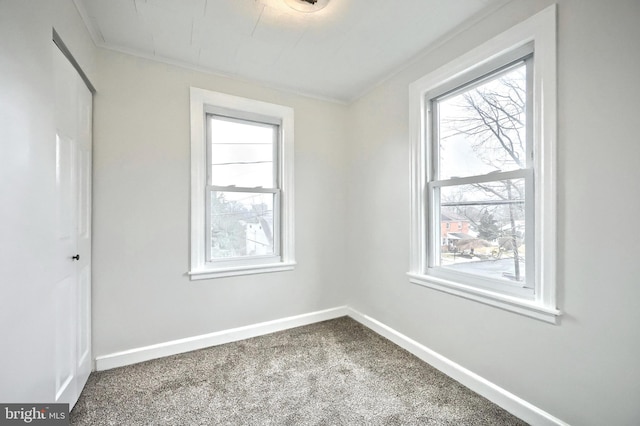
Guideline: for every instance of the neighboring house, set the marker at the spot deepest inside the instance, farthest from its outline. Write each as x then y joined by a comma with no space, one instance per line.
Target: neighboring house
453,227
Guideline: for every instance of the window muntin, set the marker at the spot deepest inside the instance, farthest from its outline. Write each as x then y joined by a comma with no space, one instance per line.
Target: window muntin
481,176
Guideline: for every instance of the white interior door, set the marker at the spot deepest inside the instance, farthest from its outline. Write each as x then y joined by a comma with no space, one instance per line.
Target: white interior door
72,291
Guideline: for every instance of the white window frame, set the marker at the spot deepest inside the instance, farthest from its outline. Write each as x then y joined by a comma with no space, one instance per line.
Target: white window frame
540,31
206,102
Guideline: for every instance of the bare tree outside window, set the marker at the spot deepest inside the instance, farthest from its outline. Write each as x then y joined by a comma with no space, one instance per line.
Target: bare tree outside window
482,131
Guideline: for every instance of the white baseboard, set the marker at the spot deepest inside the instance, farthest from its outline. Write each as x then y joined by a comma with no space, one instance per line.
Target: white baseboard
494,393
174,347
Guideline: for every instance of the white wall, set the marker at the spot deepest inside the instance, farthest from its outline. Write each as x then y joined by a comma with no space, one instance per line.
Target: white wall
141,211
27,178
584,370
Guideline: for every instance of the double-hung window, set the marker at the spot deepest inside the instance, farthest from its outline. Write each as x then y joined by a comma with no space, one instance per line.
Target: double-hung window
241,221
483,148
481,173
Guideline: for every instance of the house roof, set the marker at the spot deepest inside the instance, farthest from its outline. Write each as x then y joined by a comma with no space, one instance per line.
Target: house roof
452,217
459,236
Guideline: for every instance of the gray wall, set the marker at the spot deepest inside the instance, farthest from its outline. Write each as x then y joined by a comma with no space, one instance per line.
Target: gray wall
583,370
141,211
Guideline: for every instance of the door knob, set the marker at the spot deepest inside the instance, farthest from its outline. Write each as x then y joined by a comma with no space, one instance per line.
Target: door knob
76,257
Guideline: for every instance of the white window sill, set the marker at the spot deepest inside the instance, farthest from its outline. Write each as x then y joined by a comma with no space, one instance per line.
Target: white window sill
524,307
231,271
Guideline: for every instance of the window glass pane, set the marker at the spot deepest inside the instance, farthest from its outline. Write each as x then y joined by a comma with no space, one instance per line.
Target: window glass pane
241,224
242,153
482,229
483,128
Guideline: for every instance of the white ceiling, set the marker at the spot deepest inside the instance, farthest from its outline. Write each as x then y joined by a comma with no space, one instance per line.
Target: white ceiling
338,52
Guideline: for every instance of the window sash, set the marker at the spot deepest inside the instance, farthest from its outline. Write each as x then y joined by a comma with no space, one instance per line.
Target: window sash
249,259
465,83
433,239
254,119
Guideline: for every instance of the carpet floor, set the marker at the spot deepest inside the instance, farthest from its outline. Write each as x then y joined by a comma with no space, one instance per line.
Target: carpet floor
335,372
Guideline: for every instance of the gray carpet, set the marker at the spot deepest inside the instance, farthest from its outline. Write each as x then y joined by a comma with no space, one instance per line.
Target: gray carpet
331,373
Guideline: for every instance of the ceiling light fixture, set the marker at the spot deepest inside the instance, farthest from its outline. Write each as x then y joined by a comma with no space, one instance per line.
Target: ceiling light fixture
307,6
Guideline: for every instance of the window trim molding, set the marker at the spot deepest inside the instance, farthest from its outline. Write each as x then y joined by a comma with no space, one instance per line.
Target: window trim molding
540,30
200,101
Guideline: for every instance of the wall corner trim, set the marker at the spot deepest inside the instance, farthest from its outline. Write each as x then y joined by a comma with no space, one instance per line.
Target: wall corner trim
494,393
174,347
